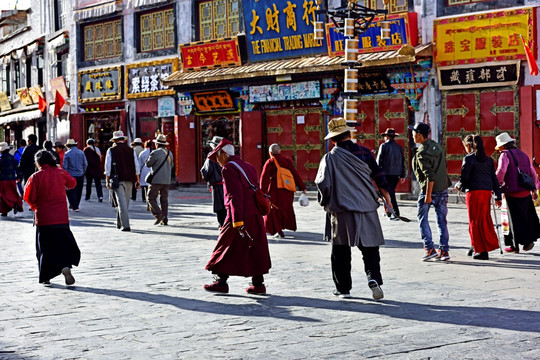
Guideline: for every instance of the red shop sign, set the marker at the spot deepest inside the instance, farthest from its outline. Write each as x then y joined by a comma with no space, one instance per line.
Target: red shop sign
210,54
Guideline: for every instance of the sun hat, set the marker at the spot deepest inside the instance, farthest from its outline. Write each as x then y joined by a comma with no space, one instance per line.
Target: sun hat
215,141
503,139
4,146
337,126
421,128
390,132
118,135
212,156
71,142
137,141
161,140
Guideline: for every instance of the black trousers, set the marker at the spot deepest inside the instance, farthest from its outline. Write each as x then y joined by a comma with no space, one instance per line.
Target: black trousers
393,181
74,195
255,280
221,215
97,181
341,266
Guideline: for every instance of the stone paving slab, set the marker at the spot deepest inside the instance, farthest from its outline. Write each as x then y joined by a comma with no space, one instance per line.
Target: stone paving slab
139,295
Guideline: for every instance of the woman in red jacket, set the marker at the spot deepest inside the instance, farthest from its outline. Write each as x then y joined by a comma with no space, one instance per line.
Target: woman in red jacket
45,193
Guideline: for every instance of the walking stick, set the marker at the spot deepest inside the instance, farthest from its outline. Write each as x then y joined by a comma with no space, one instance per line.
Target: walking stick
497,225
402,218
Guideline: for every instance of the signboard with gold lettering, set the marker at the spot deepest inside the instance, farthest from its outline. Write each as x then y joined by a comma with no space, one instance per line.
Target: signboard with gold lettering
144,79
483,37
24,95
100,84
210,54
5,105
281,29
219,100
403,30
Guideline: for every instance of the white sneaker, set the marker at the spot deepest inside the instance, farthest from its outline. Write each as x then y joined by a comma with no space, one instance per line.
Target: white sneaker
376,289
70,280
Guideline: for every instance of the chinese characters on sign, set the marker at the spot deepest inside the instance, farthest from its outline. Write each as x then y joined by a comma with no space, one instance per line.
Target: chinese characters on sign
279,29
473,76
213,101
373,82
281,92
145,79
485,37
210,54
100,84
403,30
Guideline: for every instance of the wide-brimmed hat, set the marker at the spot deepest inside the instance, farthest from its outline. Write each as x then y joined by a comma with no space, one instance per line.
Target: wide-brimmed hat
137,141
4,146
503,139
421,128
118,135
337,126
90,141
212,156
215,141
161,140
390,132
58,144
71,142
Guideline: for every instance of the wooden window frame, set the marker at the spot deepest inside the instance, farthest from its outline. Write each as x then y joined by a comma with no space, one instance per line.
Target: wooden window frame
166,29
463,2
103,41
227,21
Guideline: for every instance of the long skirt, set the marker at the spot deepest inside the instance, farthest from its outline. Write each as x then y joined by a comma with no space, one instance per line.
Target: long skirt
237,255
481,229
9,197
56,249
283,217
524,223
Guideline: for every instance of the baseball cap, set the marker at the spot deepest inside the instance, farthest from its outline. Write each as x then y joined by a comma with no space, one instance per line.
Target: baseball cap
421,128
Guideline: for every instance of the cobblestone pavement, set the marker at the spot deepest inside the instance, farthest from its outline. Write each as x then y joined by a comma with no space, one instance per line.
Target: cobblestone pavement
139,295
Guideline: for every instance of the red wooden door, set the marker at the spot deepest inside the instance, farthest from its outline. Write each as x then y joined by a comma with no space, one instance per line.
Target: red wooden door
487,112
186,161
300,133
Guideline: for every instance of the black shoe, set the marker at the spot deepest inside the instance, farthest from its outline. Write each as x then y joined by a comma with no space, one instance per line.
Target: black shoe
165,221
470,252
341,295
528,247
158,220
4,214
126,229
86,199
481,256
100,199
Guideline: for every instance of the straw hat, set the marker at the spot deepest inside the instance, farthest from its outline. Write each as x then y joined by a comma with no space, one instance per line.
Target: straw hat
337,126
503,139
390,132
215,141
118,135
4,146
137,141
161,140
71,142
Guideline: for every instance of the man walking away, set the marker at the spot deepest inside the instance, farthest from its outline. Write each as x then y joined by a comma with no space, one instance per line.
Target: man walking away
137,146
392,161
75,164
160,161
121,161
429,166
27,166
211,173
93,172
346,191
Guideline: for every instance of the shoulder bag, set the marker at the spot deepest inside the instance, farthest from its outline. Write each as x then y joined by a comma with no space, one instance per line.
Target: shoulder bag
284,177
150,175
524,180
262,200
114,181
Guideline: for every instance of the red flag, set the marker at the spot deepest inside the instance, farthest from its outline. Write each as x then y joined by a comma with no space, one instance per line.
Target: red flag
58,103
533,67
42,104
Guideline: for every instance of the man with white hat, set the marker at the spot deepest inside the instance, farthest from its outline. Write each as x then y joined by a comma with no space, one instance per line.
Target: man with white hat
160,162
137,146
122,173
346,191
75,164
211,173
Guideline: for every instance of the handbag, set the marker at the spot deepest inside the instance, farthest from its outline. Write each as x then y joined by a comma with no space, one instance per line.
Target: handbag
150,175
524,180
114,180
284,177
261,199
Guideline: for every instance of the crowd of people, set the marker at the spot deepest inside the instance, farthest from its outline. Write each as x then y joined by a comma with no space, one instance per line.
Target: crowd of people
350,182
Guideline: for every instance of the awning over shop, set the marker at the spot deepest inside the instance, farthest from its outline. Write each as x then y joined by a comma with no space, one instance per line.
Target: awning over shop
139,3
31,112
294,66
56,42
97,11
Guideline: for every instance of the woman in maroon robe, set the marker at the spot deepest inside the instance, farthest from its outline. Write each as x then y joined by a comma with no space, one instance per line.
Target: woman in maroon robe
282,215
242,247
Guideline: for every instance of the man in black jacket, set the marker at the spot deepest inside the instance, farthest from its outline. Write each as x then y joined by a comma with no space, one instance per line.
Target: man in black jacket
27,166
391,159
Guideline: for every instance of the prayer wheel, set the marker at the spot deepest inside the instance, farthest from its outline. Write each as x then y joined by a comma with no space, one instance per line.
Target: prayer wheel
351,109
349,28
351,80
319,30
351,50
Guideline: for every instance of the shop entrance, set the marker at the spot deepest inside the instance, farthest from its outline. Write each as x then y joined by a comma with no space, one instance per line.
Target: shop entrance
100,127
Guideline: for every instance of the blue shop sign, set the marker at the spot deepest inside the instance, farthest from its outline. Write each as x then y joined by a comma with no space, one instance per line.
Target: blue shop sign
281,29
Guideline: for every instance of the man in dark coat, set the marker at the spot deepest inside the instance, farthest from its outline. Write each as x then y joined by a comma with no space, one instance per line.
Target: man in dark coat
211,173
27,166
242,246
94,173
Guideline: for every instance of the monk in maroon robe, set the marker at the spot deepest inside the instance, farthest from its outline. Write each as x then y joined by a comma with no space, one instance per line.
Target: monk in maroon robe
242,247
282,215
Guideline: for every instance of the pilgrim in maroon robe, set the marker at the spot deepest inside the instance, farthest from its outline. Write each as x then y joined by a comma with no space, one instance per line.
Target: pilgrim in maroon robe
282,215
234,254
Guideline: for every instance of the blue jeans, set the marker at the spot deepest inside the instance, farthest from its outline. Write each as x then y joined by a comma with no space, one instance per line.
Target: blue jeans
440,202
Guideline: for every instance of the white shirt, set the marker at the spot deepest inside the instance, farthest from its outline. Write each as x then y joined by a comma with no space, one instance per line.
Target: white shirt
108,163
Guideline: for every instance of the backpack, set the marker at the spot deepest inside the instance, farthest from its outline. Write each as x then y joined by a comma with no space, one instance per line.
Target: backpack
285,179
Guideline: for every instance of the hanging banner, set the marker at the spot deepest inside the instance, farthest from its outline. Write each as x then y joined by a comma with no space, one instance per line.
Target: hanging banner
479,76
144,79
166,107
210,54
24,96
100,84
282,92
281,31
483,37
403,30
36,93
5,105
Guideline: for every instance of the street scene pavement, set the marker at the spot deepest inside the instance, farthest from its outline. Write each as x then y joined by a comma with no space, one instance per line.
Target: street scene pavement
139,295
